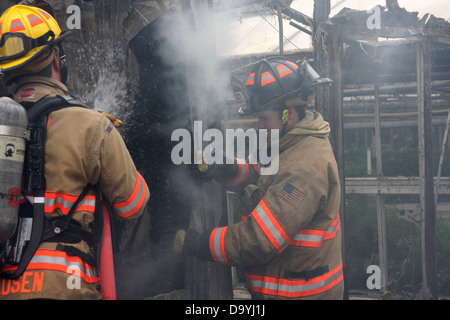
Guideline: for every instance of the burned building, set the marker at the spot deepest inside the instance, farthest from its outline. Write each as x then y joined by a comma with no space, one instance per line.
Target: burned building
154,64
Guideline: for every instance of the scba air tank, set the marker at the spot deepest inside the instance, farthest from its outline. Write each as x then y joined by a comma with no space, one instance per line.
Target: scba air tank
13,134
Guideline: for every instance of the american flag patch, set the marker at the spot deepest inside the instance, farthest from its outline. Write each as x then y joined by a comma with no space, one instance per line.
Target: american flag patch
109,128
291,195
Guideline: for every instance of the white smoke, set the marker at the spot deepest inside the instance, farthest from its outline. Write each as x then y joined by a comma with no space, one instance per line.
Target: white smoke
191,41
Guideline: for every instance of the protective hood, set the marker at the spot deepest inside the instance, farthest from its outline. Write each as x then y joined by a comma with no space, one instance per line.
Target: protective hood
312,124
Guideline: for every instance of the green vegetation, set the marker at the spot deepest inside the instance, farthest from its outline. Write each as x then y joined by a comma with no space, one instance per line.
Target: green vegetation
403,236
401,162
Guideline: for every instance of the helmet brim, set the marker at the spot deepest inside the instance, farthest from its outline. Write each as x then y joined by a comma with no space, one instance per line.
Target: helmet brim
31,55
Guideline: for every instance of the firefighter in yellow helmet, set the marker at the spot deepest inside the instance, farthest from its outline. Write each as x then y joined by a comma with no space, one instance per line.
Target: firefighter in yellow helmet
28,33
290,238
86,163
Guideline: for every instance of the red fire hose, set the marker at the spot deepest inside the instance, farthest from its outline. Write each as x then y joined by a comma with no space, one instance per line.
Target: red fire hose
107,276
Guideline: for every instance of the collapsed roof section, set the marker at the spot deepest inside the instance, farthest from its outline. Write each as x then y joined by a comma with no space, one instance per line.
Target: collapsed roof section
253,27
387,51
394,22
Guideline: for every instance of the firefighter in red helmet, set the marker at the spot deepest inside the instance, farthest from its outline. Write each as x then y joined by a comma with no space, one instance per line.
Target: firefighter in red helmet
77,161
290,241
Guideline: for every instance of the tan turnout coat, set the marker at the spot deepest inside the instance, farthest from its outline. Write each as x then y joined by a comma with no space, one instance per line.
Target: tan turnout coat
82,147
290,243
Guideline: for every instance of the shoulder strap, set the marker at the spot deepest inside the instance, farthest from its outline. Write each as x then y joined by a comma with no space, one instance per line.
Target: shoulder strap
35,149
41,109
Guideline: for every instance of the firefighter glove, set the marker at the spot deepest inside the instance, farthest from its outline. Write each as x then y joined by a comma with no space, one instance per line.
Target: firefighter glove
220,172
201,171
178,243
196,244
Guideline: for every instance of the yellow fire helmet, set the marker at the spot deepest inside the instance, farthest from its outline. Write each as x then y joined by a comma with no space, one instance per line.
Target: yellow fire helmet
25,33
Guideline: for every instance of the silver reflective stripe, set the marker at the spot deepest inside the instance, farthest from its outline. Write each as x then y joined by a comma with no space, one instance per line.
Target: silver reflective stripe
64,262
309,287
135,201
294,65
334,227
308,237
274,233
33,19
266,78
241,176
304,236
283,69
66,204
294,288
216,245
16,24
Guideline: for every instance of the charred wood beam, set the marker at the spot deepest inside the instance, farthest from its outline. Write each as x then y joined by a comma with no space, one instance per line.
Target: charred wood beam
319,40
351,25
386,124
398,16
391,185
359,77
234,4
404,88
381,212
280,30
350,123
429,267
397,22
300,28
298,16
